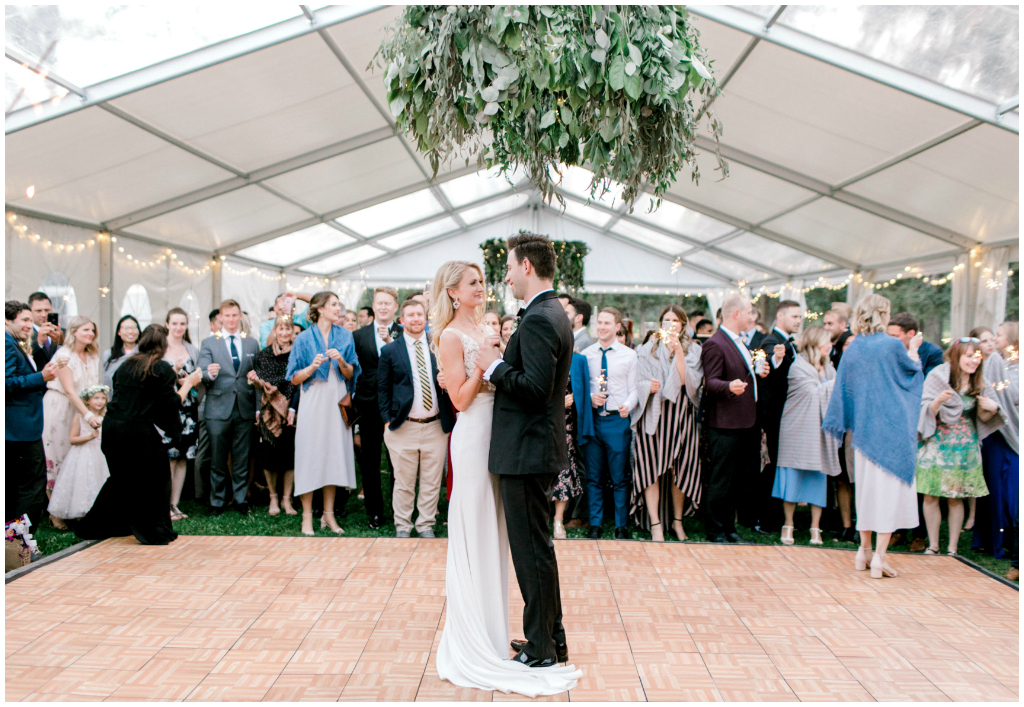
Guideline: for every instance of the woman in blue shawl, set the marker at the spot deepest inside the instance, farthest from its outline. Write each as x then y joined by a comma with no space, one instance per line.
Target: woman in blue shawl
877,398
323,361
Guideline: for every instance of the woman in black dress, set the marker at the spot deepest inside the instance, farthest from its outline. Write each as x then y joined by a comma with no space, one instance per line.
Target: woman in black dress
277,413
135,498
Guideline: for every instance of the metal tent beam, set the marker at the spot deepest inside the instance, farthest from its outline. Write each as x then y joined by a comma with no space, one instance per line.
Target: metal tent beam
861,65
186,64
338,213
255,177
433,240
824,189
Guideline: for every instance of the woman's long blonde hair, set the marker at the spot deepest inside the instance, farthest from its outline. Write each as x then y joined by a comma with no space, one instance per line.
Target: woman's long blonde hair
871,316
442,312
809,343
77,323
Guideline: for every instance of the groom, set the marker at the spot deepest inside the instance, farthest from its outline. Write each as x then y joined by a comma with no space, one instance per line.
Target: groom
528,447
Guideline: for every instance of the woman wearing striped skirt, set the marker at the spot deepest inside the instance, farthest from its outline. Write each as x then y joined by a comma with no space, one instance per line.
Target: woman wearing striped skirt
666,465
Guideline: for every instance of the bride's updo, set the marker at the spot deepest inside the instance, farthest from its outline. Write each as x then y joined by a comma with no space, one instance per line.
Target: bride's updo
448,277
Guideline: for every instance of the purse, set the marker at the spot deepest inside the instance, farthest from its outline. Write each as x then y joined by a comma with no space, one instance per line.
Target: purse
348,411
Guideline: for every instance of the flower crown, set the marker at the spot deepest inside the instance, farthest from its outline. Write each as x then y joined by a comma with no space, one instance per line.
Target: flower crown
92,390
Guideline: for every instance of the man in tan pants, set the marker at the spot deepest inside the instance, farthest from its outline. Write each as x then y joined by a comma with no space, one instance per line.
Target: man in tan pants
408,395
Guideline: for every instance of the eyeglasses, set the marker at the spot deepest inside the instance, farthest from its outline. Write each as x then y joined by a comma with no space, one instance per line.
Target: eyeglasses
969,340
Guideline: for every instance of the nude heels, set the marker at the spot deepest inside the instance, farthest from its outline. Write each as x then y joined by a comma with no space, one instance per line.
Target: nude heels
860,562
880,569
787,538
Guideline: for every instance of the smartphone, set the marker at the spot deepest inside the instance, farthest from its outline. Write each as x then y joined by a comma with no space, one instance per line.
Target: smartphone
53,318
289,305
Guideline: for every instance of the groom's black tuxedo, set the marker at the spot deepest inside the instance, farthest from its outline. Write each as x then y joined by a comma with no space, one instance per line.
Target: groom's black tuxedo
528,450
528,434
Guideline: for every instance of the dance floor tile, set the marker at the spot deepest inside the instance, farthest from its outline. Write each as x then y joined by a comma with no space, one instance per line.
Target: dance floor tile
360,619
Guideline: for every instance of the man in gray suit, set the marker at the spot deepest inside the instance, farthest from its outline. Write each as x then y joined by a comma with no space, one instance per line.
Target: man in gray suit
226,360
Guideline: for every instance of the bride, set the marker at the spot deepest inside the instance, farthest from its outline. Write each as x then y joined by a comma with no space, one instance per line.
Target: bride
474,650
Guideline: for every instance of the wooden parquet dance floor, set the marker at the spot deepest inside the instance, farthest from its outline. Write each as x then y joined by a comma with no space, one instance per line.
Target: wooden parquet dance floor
267,618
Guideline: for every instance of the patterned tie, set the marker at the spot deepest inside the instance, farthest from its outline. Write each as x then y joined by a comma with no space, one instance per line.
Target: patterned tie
421,363
235,361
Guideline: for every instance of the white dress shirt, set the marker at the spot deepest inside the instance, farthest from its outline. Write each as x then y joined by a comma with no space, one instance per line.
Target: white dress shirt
418,410
237,336
738,341
622,365
777,360
494,365
376,337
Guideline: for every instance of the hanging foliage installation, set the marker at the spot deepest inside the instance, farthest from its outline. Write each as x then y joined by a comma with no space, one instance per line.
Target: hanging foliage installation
568,264
611,87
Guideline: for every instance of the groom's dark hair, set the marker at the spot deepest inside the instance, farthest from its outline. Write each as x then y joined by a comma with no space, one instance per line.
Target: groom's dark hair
537,249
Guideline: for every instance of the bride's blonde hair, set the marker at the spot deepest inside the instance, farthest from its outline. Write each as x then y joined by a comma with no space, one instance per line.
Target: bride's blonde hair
442,312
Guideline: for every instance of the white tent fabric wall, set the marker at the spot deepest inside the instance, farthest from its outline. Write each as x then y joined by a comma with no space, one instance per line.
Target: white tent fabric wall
253,288
278,143
29,261
979,290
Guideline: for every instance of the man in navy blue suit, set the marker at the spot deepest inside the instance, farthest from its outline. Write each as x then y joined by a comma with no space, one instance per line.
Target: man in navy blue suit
24,386
416,422
905,327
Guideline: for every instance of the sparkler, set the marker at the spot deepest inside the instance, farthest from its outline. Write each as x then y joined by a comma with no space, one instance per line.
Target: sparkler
1011,353
602,387
1001,385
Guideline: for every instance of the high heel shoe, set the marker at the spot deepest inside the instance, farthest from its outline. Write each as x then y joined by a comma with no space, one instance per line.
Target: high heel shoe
660,532
274,508
787,538
860,562
816,536
559,530
311,531
324,524
880,569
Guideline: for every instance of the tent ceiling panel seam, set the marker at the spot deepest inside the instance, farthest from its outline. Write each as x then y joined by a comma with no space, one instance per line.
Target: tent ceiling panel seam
816,185
861,65
255,177
185,64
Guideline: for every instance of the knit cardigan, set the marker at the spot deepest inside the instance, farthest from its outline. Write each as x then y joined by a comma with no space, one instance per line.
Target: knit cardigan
877,396
953,409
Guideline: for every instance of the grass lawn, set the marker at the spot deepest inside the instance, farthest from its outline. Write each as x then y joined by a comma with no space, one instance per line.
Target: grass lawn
355,523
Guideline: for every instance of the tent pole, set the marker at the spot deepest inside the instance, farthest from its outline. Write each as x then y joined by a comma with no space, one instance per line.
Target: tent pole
215,272
106,286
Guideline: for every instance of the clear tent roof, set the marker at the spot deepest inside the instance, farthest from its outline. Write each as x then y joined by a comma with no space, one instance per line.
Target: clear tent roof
858,138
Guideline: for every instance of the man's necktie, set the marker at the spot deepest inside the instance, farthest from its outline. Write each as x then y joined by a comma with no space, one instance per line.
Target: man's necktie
421,363
522,311
607,374
235,361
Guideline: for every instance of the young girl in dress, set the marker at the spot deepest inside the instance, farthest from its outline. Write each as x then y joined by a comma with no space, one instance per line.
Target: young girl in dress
85,468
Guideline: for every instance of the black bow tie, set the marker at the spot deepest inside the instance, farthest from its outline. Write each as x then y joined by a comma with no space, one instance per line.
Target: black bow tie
521,312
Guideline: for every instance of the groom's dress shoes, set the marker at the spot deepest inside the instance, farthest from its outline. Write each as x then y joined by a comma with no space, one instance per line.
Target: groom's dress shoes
718,538
533,662
734,538
561,649
621,534
595,532
376,522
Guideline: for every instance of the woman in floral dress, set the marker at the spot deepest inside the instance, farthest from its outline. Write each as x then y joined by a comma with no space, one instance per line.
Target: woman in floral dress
183,357
954,411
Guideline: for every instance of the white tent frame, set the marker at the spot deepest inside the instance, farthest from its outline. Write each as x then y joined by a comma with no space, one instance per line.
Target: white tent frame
979,112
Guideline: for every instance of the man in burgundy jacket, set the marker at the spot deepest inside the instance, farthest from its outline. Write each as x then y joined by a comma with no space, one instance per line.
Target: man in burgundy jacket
734,437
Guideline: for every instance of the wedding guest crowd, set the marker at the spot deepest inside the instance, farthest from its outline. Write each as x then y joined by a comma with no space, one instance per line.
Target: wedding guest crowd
730,423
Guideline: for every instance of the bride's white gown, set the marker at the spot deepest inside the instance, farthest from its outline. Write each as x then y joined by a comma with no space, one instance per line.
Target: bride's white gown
474,646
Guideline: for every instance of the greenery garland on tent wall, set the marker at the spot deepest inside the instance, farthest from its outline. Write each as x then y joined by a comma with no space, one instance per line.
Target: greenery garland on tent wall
569,264
548,86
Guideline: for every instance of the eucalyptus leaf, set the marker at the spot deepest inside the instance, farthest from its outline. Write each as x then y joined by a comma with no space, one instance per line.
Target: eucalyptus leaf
598,55
566,112
701,69
617,73
630,68
398,105
635,55
601,37
634,86
547,120
491,108
490,93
